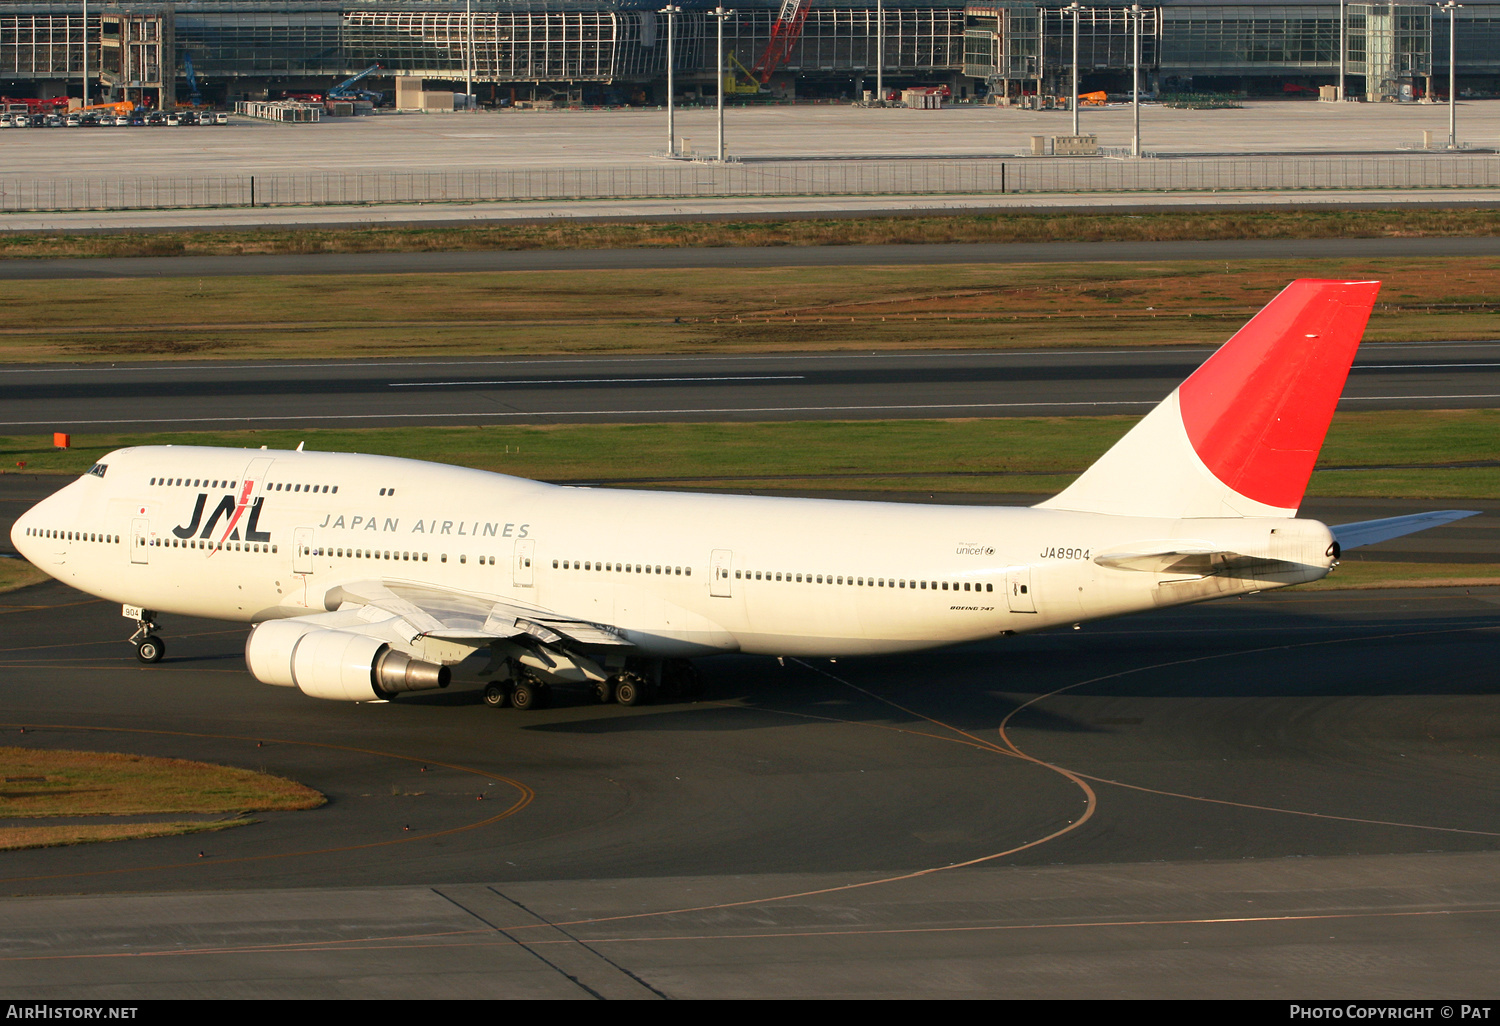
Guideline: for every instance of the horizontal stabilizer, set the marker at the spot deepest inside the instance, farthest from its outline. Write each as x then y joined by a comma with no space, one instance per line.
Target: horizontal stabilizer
1368,532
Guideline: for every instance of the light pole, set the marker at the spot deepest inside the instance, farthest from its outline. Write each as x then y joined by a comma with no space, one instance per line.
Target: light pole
1137,13
1452,9
468,53
671,11
880,51
1343,48
720,13
85,53
1075,9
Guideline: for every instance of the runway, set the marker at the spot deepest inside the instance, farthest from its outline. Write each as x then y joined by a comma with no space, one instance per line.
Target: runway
1292,795
783,386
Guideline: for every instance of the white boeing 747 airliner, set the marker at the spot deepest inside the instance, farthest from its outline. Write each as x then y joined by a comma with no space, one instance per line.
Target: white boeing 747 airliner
368,576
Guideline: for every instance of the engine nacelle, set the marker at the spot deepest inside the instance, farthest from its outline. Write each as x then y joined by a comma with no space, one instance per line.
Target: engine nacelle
333,664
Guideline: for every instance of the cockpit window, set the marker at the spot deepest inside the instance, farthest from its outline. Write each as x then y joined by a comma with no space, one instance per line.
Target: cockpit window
98,469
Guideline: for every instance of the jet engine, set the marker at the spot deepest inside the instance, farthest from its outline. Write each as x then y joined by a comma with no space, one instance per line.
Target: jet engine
335,664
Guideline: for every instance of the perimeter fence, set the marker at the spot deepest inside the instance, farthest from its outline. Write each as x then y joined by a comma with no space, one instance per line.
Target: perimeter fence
684,180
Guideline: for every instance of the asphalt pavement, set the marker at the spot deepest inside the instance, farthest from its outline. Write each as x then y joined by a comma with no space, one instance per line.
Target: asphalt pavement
1291,795
780,386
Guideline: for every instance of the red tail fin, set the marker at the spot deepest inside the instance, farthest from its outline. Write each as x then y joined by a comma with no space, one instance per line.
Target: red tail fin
1258,410
1240,436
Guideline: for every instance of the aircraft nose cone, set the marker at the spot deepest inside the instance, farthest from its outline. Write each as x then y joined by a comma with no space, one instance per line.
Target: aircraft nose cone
20,539
26,534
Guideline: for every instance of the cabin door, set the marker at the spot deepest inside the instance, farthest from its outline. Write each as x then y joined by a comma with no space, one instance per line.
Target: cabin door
302,550
1018,588
524,552
718,573
140,540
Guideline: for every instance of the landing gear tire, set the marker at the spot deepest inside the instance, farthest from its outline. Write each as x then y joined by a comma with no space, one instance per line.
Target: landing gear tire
631,691
603,691
150,649
495,695
529,694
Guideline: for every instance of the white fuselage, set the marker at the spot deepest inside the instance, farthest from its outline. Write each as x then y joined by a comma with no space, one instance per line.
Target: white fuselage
251,535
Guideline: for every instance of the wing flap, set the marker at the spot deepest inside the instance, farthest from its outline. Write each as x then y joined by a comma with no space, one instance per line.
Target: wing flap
453,616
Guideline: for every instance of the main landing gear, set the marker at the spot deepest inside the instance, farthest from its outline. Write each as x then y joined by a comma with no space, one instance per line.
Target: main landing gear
641,682
148,647
524,692
644,681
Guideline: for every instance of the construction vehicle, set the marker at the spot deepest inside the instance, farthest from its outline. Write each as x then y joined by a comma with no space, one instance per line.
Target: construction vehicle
35,106
121,107
734,85
345,90
1098,99
784,35
195,98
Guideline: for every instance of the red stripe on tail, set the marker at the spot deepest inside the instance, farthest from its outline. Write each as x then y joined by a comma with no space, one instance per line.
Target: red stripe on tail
1257,411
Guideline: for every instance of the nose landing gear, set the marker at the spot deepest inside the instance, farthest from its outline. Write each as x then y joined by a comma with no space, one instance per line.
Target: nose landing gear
148,647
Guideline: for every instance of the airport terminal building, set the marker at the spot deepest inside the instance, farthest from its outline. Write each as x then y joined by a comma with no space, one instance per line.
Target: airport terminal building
615,51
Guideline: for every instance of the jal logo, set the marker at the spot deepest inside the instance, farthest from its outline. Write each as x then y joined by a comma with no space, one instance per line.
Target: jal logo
231,509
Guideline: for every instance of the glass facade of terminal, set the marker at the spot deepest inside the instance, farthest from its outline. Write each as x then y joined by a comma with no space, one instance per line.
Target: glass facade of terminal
244,45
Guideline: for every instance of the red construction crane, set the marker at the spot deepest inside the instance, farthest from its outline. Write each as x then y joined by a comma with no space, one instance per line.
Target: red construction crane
784,35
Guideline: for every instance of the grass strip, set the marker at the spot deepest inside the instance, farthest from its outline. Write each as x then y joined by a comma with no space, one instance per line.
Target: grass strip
1386,453
1357,574
12,838
16,574
1019,226
732,310
41,783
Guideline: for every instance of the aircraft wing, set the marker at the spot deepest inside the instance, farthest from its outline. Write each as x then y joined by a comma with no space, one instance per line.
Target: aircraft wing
408,612
1368,532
